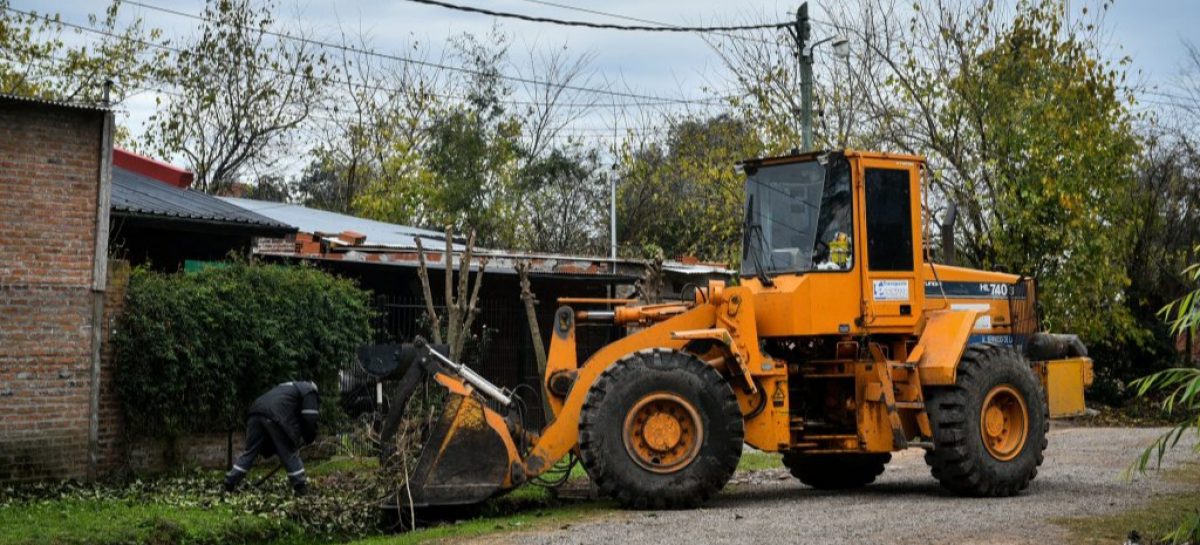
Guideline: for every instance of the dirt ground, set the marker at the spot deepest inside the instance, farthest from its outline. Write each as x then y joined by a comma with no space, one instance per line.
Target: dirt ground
1081,476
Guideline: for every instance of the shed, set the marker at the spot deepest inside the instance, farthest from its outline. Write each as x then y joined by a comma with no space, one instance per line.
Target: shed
156,219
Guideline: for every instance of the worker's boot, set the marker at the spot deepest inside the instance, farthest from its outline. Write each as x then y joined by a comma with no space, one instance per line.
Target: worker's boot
300,487
231,481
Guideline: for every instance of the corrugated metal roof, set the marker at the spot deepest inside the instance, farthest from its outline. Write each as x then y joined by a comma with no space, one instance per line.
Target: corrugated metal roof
393,244
311,220
60,103
137,195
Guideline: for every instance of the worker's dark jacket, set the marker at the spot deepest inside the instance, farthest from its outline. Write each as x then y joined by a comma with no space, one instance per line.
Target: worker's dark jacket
294,407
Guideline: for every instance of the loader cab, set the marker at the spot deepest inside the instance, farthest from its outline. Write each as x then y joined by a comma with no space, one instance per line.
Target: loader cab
836,234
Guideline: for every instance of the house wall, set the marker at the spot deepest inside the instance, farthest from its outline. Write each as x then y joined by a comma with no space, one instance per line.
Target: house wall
50,172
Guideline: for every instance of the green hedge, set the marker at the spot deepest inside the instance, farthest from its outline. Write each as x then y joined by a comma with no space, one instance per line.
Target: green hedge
193,350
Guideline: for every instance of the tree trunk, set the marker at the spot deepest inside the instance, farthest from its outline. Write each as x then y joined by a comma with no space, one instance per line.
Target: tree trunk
435,325
535,332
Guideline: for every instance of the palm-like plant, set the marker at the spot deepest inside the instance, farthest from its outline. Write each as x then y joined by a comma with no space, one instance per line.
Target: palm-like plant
1182,388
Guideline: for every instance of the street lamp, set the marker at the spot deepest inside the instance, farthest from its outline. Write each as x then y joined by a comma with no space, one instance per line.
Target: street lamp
841,47
801,33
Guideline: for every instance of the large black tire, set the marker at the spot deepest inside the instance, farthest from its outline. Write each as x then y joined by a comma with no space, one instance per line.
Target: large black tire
960,460
619,389
836,471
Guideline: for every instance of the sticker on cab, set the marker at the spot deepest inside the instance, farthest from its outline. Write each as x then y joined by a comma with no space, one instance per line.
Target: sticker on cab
889,290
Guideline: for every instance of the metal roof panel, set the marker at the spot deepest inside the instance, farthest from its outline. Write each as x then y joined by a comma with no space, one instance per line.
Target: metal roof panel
311,220
135,194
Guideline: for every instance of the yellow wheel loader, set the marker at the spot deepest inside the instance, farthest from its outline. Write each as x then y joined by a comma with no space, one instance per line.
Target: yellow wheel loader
839,344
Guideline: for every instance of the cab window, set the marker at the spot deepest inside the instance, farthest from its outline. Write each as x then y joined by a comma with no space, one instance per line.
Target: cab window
889,220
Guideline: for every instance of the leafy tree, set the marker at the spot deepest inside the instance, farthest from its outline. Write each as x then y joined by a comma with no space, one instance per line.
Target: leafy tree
242,95
564,203
1053,148
683,196
372,142
1165,211
317,186
459,172
36,60
458,150
269,188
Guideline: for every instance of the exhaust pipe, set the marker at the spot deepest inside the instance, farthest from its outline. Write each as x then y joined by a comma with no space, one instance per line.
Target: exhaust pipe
948,220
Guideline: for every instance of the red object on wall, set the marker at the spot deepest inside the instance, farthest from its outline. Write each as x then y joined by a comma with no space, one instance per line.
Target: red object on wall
152,168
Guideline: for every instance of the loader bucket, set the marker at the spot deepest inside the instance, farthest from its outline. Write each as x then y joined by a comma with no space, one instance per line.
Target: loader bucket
466,459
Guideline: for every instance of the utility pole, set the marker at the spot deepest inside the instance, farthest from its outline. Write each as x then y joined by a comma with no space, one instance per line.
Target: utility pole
612,216
801,33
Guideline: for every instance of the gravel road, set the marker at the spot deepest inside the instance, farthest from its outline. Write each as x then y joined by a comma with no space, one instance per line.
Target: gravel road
1081,476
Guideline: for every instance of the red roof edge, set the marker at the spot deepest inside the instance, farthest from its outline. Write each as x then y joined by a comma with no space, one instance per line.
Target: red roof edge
152,168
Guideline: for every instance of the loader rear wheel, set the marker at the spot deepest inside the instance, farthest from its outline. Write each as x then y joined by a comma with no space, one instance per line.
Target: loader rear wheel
989,429
660,429
836,471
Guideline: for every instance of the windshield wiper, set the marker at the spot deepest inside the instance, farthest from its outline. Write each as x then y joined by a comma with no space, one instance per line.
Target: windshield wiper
749,229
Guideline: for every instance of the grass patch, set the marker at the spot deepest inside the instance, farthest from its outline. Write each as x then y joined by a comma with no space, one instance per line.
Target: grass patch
1158,518
527,520
757,461
340,464
109,521
187,509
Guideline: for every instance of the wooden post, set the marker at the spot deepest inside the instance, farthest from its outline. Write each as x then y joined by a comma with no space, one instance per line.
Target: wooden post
99,286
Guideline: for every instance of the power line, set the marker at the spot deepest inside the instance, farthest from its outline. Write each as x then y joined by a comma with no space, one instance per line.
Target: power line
357,85
1170,95
629,18
608,26
419,62
321,113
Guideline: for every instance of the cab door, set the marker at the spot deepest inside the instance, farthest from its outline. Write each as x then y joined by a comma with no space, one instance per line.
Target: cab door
893,290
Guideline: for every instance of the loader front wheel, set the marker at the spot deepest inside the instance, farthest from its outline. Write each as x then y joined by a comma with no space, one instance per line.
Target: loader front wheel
989,429
660,429
836,471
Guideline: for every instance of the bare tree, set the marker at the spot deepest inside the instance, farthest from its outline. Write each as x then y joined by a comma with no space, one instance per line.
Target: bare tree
530,302
553,106
241,96
380,110
1186,98
461,298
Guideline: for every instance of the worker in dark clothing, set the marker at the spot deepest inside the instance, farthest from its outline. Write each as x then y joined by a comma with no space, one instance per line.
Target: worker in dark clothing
281,421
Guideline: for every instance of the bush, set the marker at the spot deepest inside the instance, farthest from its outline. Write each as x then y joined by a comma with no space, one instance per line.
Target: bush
193,350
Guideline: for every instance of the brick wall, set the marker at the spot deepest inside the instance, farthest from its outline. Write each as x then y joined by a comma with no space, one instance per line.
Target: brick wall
112,455
49,175
206,450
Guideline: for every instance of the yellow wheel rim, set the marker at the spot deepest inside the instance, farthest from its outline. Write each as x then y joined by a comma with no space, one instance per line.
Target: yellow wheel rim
663,432
1004,422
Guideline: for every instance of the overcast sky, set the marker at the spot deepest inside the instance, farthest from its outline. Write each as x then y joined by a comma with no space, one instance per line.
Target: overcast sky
667,64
